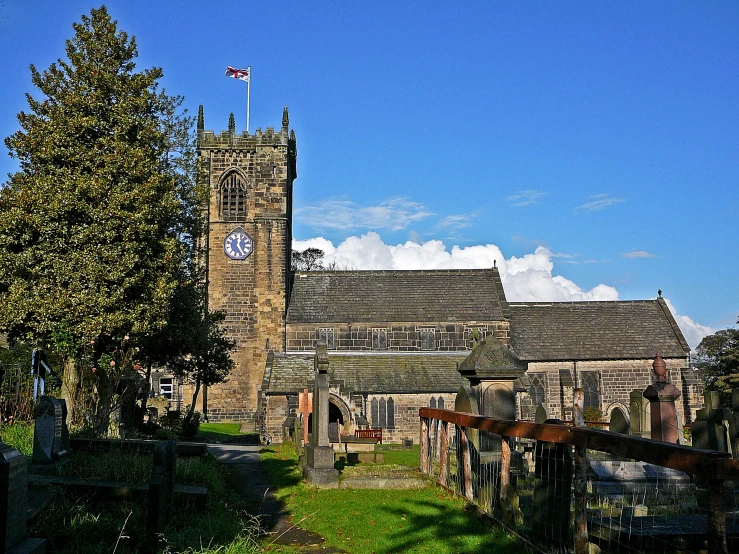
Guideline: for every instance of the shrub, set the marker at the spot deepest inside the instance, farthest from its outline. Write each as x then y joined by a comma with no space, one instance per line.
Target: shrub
191,427
18,435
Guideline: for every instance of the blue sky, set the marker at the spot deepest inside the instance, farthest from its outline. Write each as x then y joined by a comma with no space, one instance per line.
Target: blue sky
591,149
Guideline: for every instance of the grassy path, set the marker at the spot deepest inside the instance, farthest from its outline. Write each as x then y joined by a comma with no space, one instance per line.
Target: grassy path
374,521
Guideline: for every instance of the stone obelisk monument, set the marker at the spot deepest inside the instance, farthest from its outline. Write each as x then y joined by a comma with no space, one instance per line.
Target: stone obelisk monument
318,468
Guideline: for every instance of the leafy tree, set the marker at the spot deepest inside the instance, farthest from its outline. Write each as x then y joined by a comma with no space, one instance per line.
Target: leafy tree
310,259
717,358
97,226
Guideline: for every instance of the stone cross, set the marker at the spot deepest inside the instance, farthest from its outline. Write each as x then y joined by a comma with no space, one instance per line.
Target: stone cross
305,408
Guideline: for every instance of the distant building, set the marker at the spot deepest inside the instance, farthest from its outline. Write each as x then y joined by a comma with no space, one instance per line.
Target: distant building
395,338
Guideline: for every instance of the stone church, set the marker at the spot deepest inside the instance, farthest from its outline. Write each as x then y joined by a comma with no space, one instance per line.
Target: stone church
396,339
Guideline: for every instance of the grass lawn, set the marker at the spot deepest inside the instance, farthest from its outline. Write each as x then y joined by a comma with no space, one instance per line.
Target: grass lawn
218,432
367,521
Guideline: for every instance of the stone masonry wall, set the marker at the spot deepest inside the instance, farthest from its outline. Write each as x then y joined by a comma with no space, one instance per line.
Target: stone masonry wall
400,336
251,292
617,379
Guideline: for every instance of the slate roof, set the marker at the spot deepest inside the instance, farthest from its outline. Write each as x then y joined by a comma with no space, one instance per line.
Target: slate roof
398,296
595,330
370,373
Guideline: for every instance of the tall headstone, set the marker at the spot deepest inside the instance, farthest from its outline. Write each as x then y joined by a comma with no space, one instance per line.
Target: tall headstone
50,433
639,414
161,488
305,408
708,429
318,468
662,410
13,502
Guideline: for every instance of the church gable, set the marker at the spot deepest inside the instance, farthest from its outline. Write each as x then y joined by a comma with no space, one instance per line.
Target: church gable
595,331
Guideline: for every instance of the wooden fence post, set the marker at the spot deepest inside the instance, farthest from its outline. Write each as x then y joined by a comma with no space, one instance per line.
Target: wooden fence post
581,478
424,441
466,465
443,453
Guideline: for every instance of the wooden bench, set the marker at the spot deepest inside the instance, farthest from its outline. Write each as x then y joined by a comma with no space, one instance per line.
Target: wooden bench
369,434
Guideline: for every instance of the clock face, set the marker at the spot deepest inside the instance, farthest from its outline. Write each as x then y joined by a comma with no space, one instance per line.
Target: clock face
238,244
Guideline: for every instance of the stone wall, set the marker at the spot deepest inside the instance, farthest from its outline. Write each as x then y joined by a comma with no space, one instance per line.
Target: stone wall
617,378
406,336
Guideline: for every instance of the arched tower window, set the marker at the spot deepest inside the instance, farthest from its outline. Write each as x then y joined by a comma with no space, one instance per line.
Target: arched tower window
232,197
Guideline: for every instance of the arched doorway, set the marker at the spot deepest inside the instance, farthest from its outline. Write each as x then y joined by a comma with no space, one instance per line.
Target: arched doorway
338,417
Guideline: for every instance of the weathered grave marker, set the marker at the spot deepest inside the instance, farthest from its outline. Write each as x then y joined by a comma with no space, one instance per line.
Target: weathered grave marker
318,468
50,434
708,429
305,408
13,503
639,414
662,410
161,487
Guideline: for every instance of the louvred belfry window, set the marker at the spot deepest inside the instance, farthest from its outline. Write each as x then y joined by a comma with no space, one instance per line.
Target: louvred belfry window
233,197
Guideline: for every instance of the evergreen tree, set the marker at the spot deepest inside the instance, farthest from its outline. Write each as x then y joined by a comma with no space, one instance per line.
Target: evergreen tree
98,227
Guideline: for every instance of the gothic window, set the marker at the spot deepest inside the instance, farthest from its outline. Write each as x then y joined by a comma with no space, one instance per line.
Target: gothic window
326,335
375,408
382,421
428,338
432,402
232,197
590,384
537,392
383,413
440,403
379,339
390,413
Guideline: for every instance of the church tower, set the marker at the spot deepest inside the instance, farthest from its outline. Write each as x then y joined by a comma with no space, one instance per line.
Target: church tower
250,181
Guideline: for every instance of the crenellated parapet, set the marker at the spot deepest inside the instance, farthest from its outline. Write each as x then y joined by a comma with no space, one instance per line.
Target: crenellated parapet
245,140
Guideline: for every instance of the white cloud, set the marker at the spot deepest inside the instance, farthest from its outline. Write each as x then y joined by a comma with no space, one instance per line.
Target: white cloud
598,202
638,254
692,330
525,197
394,214
457,221
528,278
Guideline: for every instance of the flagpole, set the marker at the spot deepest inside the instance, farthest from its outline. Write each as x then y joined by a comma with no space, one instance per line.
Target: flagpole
248,99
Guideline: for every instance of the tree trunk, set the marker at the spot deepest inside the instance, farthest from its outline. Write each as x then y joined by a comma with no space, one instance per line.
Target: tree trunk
70,385
191,411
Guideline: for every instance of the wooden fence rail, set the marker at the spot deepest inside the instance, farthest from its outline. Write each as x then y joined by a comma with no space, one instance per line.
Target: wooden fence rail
713,467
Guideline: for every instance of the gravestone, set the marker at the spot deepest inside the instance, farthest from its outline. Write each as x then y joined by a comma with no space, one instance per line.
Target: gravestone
13,503
708,429
50,434
305,408
639,415
161,487
619,422
318,468
553,474
541,414
662,410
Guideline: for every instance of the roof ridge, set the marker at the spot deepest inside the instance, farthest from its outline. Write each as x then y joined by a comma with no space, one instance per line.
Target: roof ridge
395,271
579,303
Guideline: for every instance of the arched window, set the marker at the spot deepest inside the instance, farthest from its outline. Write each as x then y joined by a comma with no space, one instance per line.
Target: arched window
390,413
536,389
432,402
441,403
383,413
232,197
374,406
591,387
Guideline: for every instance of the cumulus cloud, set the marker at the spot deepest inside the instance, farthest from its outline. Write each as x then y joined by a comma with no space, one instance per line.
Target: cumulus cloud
394,214
525,197
638,254
528,278
598,202
692,330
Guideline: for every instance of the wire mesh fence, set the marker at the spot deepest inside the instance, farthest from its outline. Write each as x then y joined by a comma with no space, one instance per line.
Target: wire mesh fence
565,489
